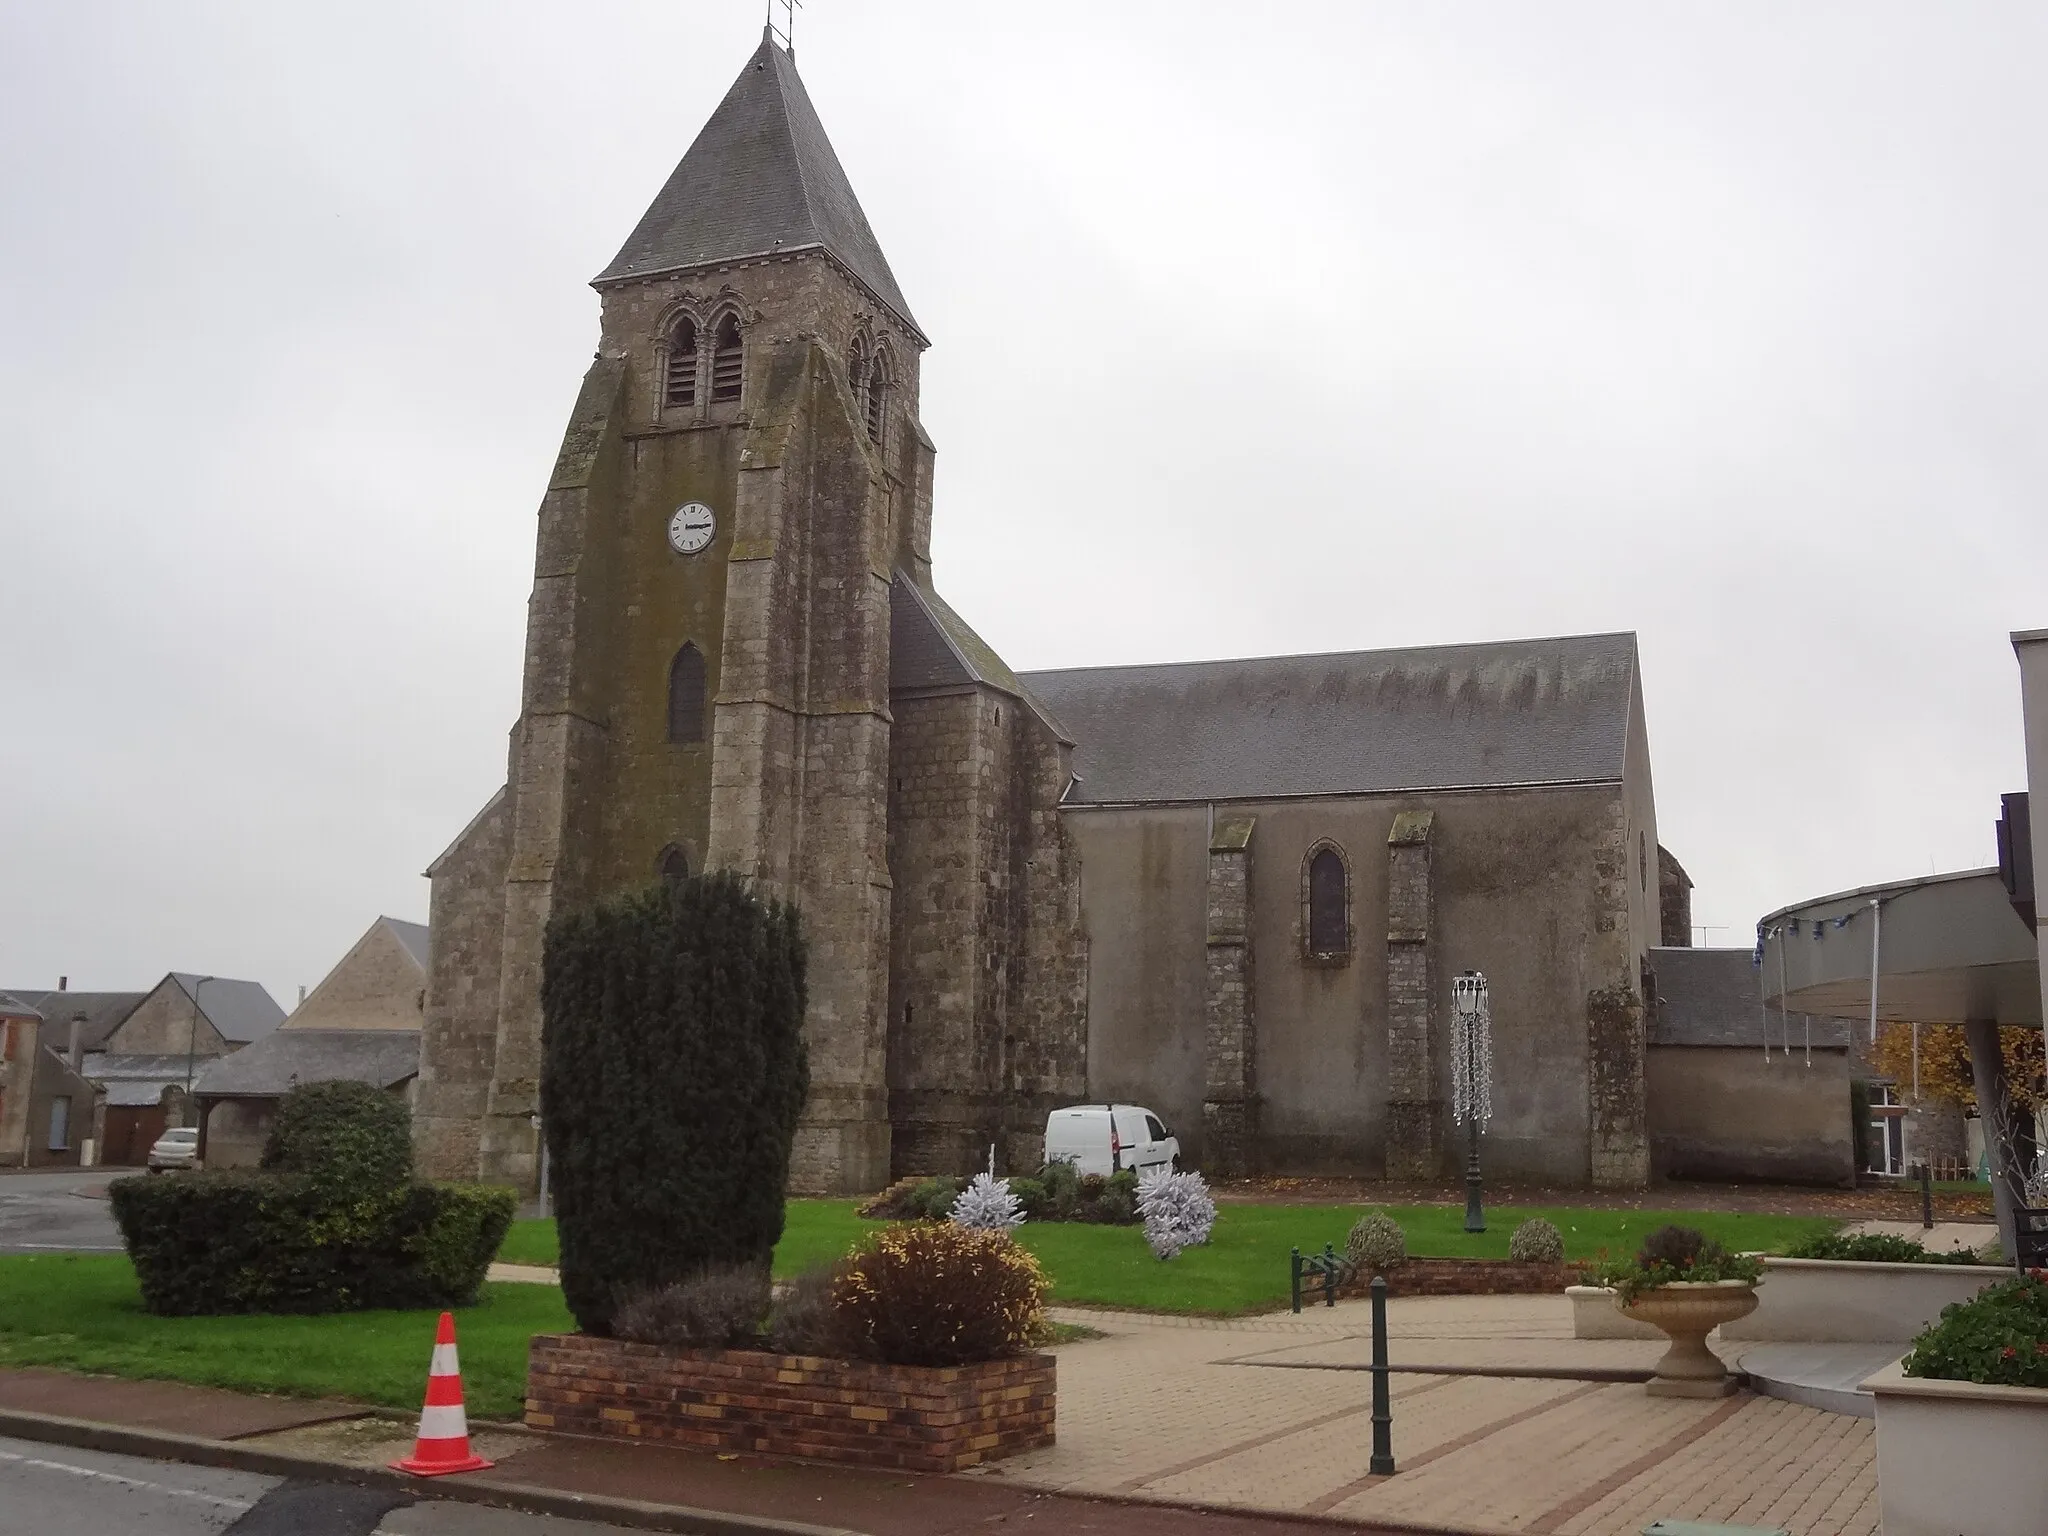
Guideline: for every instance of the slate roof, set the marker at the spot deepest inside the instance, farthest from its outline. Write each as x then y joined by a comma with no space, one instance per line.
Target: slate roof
12,1007
241,1011
1710,997
269,1068
132,1080
104,1013
1359,722
760,178
931,648
412,935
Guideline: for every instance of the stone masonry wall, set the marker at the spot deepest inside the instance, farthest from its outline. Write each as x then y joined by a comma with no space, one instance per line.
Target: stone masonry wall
1230,1103
1415,1034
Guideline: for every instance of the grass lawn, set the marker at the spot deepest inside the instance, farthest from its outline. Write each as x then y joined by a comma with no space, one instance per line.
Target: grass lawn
1244,1266
84,1313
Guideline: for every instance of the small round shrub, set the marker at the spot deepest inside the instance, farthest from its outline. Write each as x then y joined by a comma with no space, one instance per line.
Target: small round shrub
1030,1195
937,1294
932,1200
1376,1242
347,1135
721,1308
1536,1241
1062,1191
802,1320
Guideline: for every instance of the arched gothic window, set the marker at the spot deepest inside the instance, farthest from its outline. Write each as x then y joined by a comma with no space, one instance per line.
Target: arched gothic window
672,865
878,397
686,695
725,361
857,370
1329,901
679,388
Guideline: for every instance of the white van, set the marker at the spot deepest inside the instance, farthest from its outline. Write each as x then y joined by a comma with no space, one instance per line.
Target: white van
1103,1138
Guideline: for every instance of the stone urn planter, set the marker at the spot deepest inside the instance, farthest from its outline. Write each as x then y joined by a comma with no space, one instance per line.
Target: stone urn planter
1686,1311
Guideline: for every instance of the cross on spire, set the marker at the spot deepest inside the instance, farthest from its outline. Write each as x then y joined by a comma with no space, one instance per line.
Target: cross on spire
786,33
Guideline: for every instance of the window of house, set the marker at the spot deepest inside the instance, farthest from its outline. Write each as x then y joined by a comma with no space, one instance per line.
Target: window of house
1329,920
680,388
725,361
686,695
60,1125
878,390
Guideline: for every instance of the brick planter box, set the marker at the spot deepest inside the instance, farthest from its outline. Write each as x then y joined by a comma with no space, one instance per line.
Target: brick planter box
915,1418
1464,1277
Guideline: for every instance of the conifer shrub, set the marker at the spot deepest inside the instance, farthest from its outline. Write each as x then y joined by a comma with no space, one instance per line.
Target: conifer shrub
931,1293
672,1076
1536,1241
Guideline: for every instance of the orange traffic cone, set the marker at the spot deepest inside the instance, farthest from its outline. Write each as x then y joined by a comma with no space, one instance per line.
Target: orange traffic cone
443,1443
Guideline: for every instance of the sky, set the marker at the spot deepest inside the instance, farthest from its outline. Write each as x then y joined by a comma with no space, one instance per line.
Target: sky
1255,329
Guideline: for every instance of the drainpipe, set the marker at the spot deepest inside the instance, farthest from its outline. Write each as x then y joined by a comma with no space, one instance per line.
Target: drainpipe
75,1055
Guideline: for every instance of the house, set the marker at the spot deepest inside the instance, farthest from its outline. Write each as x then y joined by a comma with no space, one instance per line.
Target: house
144,1049
362,1023
48,1110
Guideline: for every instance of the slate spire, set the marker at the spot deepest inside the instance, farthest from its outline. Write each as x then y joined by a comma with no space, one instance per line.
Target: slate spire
760,178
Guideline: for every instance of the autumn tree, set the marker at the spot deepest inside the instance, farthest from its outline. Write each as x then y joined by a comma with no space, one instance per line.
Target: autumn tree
1945,1063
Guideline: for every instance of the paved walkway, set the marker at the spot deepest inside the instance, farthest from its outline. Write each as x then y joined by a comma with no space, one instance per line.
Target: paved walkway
1188,1410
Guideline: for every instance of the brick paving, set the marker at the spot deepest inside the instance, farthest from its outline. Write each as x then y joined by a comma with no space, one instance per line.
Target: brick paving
1183,1410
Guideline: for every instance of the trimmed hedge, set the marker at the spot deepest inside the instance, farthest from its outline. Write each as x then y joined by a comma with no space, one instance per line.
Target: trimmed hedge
1999,1337
242,1241
672,1075
350,1135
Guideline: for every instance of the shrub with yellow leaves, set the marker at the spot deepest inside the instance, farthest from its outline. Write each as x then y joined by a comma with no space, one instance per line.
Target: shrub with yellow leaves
938,1294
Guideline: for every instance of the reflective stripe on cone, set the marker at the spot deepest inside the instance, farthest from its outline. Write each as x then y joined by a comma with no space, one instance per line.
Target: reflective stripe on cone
443,1442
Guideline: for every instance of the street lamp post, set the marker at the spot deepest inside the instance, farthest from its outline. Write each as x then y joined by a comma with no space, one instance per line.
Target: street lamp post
1471,1080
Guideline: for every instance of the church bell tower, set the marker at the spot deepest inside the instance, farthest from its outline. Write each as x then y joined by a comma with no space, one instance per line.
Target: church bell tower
707,650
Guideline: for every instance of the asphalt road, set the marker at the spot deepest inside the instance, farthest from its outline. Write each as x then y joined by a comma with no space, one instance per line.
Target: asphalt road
56,1491
53,1213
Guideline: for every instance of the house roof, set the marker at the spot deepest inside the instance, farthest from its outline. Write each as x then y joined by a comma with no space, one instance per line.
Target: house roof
933,649
412,935
271,1067
104,1012
239,1011
1518,712
137,1079
12,1007
760,179
1710,997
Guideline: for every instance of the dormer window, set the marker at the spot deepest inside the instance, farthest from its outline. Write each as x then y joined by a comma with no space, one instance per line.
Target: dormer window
726,361
679,388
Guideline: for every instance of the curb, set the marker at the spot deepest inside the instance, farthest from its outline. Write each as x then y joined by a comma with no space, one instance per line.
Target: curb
86,1434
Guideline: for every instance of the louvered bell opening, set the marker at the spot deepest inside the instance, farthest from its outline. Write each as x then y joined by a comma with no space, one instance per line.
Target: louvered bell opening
680,387
877,401
725,364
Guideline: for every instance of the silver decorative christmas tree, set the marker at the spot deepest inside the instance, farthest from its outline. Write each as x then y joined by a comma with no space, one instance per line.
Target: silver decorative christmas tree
1471,1079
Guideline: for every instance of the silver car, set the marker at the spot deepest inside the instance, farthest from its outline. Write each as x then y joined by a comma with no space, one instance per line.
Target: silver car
176,1148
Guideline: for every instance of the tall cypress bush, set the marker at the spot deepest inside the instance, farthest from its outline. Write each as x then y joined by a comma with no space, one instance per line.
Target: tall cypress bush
672,1076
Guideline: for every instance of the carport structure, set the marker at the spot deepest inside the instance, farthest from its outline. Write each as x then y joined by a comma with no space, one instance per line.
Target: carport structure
1937,949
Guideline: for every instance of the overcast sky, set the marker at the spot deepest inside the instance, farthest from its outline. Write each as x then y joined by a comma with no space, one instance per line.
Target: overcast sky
1255,329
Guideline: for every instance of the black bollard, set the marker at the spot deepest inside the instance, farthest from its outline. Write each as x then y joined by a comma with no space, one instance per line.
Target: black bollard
1294,1276
1927,1196
1382,1464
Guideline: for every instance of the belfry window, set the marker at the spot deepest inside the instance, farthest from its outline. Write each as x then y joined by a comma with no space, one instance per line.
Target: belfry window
686,695
857,371
878,398
726,361
679,387
1329,900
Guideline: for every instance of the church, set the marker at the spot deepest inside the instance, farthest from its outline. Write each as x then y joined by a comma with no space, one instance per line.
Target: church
1234,891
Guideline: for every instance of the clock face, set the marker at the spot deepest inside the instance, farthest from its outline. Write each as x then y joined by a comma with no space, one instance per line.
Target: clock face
691,528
